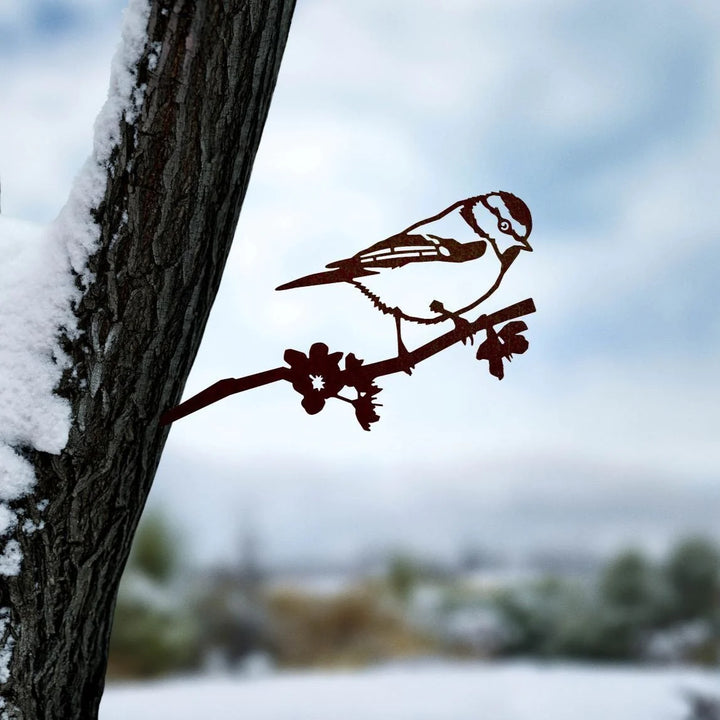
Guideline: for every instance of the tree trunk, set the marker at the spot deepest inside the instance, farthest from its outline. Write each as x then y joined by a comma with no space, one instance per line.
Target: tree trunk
175,185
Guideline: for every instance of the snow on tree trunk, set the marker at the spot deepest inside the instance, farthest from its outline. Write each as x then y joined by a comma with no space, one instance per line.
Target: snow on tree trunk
144,236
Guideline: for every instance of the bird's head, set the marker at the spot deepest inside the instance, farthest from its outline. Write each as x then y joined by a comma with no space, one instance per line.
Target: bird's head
504,219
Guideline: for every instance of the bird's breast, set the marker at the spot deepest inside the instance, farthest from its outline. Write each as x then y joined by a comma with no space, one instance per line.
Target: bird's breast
413,287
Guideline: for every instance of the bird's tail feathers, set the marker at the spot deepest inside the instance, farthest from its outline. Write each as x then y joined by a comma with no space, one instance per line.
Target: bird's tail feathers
324,278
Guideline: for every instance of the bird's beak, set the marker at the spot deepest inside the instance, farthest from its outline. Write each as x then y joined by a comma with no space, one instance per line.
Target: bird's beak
526,245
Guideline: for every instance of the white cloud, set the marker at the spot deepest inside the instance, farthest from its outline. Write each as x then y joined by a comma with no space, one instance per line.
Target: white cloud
50,101
385,114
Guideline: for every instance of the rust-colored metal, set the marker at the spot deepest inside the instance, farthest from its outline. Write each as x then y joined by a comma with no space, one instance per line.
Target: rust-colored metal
490,231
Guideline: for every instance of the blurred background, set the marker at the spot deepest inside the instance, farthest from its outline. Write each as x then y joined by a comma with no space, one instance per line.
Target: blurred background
566,513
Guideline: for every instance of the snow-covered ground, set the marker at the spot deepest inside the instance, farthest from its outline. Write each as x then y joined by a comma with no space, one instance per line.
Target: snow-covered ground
467,691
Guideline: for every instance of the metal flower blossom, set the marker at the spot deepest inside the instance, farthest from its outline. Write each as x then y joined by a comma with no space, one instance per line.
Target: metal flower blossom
316,376
365,408
502,345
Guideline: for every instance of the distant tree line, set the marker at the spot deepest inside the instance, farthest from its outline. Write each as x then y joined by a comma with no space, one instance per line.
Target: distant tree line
636,610
168,620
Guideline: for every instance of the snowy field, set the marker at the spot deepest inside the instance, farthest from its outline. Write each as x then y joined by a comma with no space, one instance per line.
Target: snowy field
425,692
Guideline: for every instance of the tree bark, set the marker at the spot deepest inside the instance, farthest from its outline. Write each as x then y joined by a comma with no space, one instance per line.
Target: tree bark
175,185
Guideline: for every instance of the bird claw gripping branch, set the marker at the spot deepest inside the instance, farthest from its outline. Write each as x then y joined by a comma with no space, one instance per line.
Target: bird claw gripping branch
482,236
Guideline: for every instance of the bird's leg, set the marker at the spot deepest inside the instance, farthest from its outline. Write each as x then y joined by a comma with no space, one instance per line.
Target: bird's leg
403,354
460,322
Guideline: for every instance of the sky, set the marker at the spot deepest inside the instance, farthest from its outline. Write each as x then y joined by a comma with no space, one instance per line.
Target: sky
601,115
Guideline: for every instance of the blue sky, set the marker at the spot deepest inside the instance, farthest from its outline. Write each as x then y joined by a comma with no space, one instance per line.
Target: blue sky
601,115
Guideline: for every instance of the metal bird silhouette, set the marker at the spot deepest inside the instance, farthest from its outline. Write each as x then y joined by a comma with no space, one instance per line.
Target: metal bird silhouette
435,270
438,268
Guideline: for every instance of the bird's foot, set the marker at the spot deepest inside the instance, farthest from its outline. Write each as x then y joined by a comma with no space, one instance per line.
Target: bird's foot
406,360
460,322
462,325
403,355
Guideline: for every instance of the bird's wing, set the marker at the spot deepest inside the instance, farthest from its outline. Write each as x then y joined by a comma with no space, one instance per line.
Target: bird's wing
405,248
393,252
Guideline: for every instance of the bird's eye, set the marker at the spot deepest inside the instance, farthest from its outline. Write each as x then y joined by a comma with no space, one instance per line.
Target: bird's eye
504,225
